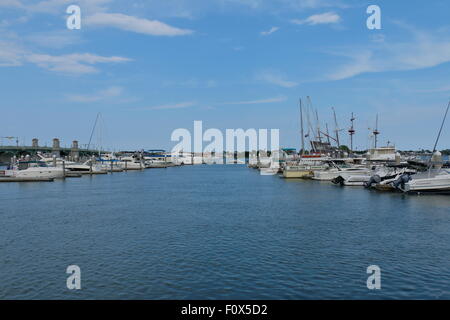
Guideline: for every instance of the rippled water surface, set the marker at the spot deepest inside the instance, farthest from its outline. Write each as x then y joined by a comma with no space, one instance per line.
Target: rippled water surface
219,232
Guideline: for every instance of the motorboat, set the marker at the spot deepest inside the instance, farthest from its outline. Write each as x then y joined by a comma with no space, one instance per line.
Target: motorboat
333,171
32,170
131,163
157,159
88,167
433,181
375,175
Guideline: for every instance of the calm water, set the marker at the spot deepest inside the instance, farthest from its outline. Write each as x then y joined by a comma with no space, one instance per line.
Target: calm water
219,232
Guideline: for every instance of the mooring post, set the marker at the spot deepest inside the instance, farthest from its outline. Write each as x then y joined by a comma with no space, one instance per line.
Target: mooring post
64,169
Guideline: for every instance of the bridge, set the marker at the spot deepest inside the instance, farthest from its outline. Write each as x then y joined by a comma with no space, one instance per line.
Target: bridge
73,153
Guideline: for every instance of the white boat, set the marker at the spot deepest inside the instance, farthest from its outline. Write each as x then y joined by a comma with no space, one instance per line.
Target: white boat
50,161
157,159
333,172
131,163
88,167
433,181
32,170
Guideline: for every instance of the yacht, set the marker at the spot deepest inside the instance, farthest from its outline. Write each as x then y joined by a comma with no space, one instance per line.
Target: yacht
305,167
88,167
131,163
157,159
32,170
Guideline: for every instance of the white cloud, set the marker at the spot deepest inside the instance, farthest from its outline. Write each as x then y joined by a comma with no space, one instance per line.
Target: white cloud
55,40
275,78
11,3
261,101
111,92
180,105
130,23
322,18
272,30
76,63
11,54
423,51
55,6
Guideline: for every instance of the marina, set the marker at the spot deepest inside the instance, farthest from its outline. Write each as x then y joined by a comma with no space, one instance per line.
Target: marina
380,168
224,156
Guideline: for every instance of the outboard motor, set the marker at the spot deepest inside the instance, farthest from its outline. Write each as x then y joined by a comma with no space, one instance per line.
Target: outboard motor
373,180
399,183
338,180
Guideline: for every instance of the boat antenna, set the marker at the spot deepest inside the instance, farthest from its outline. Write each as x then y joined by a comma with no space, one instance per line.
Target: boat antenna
93,129
376,132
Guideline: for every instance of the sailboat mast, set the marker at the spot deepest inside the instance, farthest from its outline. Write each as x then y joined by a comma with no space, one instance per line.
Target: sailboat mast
302,130
318,127
351,131
442,126
328,133
337,128
376,132
93,130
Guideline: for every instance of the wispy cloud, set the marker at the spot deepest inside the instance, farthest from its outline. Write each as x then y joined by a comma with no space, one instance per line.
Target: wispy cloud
111,92
55,40
260,101
322,18
138,25
191,83
76,63
55,6
276,78
435,90
11,54
180,105
272,30
424,50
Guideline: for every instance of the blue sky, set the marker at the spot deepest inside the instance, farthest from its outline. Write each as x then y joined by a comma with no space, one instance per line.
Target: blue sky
153,66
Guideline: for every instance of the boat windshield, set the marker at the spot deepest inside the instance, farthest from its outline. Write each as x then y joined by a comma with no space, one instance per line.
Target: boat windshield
23,165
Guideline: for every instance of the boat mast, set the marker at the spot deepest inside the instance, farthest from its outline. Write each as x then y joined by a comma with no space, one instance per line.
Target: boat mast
318,127
301,125
351,131
376,132
328,133
440,130
93,129
337,128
